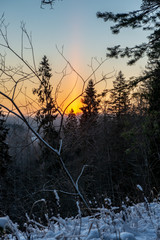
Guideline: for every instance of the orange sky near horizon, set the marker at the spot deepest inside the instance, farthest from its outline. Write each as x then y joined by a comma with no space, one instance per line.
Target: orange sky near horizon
77,59
74,25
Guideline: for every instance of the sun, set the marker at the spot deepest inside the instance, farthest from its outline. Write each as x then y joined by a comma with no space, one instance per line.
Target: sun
75,106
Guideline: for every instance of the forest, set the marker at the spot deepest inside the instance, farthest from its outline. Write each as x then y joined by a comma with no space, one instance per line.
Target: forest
59,163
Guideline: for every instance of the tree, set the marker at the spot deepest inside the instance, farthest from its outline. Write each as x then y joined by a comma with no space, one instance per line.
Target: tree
4,154
12,81
88,135
147,18
71,122
152,87
90,105
6,190
70,136
47,113
125,167
45,117
120,102
152,123
71,141
70,131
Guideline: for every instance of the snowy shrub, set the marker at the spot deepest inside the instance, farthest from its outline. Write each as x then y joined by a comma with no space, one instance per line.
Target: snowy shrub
106,224
7,226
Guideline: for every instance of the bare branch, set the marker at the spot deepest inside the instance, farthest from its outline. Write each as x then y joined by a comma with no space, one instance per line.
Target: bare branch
80,175
74,86
28,125
10,111
23,28
17,76
74,70
60,147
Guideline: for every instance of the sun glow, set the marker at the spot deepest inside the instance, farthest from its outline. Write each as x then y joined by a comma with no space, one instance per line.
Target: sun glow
76,56
75,106
69,95
72,86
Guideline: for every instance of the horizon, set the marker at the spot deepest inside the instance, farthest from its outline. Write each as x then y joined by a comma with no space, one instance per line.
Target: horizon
81,39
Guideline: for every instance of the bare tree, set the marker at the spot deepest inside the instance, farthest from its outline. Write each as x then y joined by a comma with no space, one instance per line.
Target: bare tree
12,80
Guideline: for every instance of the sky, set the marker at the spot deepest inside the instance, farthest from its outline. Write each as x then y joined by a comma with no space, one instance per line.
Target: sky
71,25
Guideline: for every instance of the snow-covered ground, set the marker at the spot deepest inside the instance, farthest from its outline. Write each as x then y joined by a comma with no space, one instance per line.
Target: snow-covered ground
141,221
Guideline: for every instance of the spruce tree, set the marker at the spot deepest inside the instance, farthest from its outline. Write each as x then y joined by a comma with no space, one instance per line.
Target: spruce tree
90,107
46,115
4,154
148,19
70,132
120,103
6,188
153,87
152,121
88,134
71,124
123,172
70,141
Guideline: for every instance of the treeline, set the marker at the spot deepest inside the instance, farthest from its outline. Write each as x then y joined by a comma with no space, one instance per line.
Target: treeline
112,147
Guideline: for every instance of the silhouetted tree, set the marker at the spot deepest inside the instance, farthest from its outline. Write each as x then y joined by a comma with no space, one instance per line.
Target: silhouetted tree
90,103
153,87
87,136
5,163
70,135
49,166
120,102
71,123
147,18
4,154
152,123
71,143
124,165
47,114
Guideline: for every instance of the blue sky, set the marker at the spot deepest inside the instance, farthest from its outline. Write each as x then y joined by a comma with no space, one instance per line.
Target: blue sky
71,23
74,25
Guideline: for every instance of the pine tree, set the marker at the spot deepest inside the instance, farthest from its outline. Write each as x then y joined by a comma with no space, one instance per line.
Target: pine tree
90,105
147,18
4,154
6,188
153,87
152,120
123,172
120,102
88,133
45,117
47,114
71,123
71,142
70,131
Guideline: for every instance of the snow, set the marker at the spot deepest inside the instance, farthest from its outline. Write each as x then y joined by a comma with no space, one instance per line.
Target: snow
139,187
3,222
138,222
57,198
